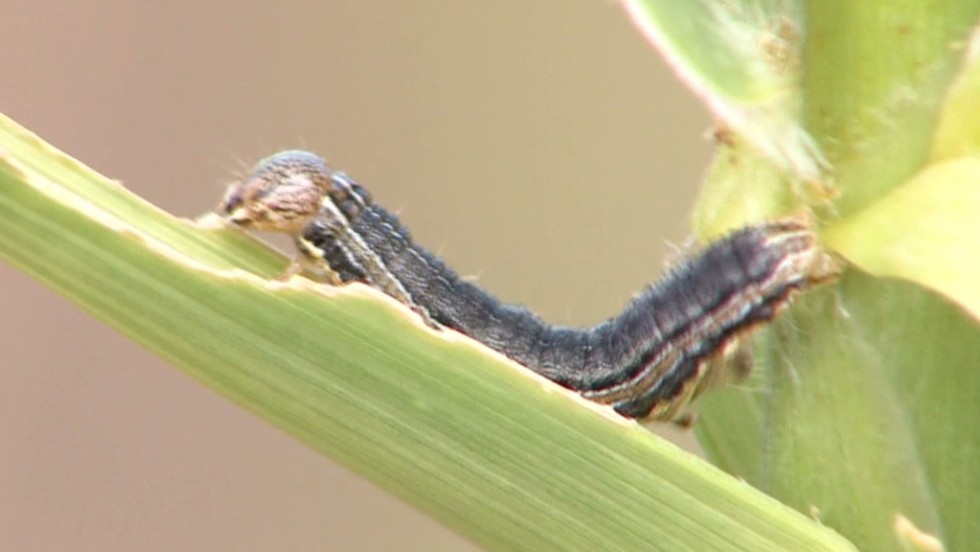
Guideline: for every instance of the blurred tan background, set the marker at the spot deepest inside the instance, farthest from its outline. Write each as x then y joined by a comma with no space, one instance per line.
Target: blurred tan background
539,145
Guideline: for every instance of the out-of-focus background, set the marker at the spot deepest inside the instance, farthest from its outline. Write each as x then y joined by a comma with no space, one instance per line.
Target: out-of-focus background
541,146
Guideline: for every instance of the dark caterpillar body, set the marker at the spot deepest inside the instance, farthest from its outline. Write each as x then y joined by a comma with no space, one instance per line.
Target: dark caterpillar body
649,361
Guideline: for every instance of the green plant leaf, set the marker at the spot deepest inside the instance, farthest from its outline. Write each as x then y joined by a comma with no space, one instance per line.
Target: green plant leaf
863,404
742,187
925,231
506,458
742,58
876,77
860,410
957,134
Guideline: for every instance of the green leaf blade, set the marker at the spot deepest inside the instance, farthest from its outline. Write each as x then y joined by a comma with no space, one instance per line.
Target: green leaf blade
742,59
862,407
858,423
956,134
509,460
876,77
924,231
